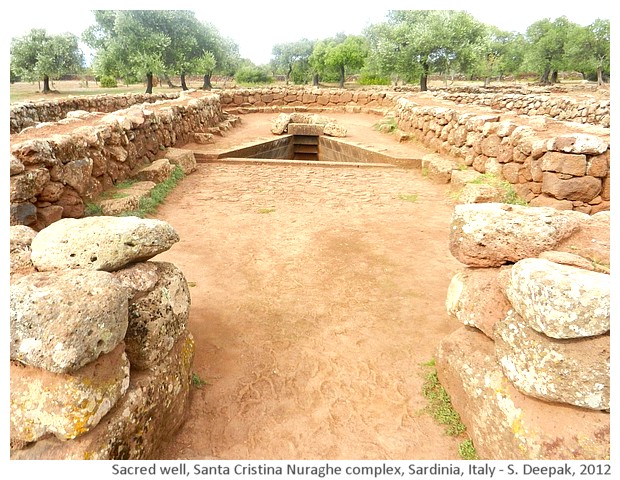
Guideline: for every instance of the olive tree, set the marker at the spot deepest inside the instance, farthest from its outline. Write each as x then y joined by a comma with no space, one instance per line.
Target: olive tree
292,56
40,56
338,54
588,49
421,42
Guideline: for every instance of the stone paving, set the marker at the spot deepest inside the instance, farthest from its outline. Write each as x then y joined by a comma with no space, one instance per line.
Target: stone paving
275,186
317,293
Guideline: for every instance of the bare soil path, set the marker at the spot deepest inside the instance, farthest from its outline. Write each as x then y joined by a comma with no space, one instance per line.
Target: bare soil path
317,293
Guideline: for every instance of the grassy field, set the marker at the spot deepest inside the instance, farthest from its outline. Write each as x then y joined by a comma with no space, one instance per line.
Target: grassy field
31,91
25,91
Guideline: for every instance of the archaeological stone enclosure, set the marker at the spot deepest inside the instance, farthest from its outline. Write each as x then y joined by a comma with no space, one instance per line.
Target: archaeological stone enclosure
101,352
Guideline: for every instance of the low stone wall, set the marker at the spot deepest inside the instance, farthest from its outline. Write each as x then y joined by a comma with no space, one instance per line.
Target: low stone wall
592,111
100,354
529,370
53,175
28,114
290,99
550,163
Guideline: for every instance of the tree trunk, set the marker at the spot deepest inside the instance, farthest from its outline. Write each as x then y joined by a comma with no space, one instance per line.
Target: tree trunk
341,82
554,76
288,74
424,77
315,80
169,82
544,78
599,76
46,84
149,82
423,82
206,82
183,83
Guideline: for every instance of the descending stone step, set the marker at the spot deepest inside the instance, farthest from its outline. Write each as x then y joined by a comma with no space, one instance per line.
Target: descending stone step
305,140
306,149
306,156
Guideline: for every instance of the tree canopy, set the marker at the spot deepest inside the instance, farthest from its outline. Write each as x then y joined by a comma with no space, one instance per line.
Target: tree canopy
293,57
40,56
416,43
339,53
148,42
408,46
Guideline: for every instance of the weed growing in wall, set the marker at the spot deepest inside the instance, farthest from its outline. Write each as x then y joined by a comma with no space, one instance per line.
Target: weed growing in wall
510,195
197,381
149,204
440,408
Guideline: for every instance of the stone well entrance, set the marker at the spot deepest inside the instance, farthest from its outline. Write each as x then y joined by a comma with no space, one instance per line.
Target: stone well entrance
317,293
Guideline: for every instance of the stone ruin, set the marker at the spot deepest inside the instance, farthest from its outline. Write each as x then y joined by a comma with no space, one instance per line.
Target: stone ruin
523,384
529,371
307,124
100,352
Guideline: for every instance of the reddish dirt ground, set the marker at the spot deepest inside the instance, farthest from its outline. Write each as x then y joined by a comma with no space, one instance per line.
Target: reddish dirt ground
317,293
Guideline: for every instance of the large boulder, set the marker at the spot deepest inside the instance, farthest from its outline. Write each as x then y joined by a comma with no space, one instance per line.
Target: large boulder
582,189
62,321
505,424
65,405
100,243
479,193
332,129
560,301
159,303
156,172
476,299
438,168
574,371
493,234
151,410
280,124
578,143
591,240
185,158
20,239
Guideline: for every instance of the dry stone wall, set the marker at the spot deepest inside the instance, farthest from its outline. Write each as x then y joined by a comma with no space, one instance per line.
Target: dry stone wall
100,352
526,388
53,174
529,371
298,99
29,114
549,163
591,111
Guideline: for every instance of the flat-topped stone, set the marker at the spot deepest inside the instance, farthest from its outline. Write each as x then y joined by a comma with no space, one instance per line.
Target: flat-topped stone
310,129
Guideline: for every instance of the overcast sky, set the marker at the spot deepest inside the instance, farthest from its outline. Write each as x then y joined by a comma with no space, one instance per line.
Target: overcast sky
257,25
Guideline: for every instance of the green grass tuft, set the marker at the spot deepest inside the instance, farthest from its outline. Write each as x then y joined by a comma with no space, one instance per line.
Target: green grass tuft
198,382
125,183
386,125
411,197
266,210
149,204
510,195
440,408
92,210
467,451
